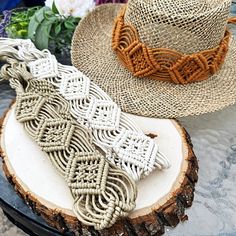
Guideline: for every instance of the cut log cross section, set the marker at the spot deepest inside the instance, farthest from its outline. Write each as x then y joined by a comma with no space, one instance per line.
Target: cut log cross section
162,196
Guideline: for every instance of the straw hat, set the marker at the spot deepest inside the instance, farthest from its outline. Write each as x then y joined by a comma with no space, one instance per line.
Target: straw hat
160,58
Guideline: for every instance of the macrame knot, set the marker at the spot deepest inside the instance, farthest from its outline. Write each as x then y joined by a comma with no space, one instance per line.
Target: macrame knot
189,68
15,70
162,63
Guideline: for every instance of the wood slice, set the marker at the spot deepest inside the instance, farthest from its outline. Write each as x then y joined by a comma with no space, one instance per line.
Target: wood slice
162,196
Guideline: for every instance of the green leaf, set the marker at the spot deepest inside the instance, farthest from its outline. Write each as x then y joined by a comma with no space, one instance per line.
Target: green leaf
54,8
69,25
31,11
43,34
23,23
22,34
35,21
48,14
58,29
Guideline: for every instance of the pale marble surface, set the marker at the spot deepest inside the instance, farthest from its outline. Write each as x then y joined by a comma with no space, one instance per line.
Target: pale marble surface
214,207
7,228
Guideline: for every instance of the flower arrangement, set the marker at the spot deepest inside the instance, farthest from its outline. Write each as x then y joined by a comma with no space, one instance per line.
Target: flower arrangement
74,8
51,26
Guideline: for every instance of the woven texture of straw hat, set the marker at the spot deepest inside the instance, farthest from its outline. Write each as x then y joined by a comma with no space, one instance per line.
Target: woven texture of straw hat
198,25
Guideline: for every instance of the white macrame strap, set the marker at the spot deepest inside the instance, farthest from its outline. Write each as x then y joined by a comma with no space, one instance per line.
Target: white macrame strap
124,143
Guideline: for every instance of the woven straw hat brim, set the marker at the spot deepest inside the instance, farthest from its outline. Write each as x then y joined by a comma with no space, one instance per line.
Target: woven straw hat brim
93,55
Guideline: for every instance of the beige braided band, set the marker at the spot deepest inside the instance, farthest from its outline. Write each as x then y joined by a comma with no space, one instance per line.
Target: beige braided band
102,192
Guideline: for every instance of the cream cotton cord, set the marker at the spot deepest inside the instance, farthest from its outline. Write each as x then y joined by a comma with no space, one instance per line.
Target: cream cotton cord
124,143
102,192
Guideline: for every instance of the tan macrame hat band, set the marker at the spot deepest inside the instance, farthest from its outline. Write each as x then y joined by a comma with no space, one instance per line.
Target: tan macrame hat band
162,63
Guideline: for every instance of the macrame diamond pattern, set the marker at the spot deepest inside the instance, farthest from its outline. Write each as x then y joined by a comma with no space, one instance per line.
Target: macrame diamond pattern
54,134
141,152
44,68
28,107
189,68
74,86
139,60
87,174
103,115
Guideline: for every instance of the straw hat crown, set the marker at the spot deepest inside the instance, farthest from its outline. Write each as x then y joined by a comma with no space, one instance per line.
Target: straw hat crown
188,26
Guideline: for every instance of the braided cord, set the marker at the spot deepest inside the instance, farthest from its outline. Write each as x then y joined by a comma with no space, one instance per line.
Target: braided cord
102,193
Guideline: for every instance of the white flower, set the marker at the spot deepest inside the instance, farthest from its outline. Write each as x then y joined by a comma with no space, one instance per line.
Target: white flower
48,3
75,8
